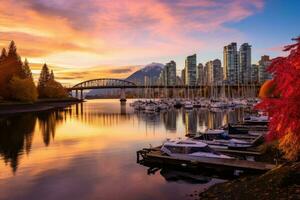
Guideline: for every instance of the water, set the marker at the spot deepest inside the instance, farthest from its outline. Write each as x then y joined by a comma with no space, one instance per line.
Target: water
88,151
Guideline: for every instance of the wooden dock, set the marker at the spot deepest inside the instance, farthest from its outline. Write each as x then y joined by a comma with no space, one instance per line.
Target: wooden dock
154,156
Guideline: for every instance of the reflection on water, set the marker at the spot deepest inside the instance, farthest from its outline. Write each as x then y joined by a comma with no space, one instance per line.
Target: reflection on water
84,151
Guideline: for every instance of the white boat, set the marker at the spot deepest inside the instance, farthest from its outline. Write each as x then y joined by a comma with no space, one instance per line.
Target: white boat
256,119
219,139
190,149
188,105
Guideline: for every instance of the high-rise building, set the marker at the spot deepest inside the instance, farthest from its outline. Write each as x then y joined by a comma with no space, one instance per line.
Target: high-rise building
191,70
263,74
244,71
200,80
205,74
254,74
231,63
183,77
214,72
170,73
167,76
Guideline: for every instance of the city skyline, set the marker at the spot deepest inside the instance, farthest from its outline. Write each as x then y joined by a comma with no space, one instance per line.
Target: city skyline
88,39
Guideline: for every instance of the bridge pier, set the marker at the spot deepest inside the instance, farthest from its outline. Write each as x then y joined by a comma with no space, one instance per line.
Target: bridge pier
76,94
81,95
123,95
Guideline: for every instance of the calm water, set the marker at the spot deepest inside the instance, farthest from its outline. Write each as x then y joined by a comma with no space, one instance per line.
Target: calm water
88,151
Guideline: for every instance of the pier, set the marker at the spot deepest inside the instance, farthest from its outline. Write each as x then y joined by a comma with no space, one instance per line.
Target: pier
154,156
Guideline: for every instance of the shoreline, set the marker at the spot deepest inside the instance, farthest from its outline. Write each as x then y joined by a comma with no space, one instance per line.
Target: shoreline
11,108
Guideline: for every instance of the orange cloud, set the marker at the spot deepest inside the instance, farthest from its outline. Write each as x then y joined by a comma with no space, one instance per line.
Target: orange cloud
99,32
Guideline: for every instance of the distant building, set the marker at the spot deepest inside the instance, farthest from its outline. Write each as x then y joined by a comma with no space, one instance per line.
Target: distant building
231,63
263,74
205,74
214,72
254,74
170,73
244,72
191,70
200,73
167,76
183,77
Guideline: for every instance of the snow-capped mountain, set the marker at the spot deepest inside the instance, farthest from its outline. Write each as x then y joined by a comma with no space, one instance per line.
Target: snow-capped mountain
151,71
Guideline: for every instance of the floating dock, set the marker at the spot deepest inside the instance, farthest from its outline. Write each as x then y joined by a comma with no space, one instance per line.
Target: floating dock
154,156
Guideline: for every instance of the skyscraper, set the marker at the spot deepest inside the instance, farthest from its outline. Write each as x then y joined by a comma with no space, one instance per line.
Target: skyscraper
231,63
263,74
254,74
200,80
191,70
170,73
244,71
183,76
214,72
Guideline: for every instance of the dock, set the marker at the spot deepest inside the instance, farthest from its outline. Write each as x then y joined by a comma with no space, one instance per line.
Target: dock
155,156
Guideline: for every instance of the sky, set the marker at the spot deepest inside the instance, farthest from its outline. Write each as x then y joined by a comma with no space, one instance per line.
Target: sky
104,38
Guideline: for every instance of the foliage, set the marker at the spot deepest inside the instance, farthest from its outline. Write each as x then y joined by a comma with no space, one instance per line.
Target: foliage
44,76
52,89
48,87
10,65
284,111
23,89
267,89
26,70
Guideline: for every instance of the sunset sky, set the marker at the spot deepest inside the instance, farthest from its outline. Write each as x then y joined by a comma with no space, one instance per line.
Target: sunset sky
84,39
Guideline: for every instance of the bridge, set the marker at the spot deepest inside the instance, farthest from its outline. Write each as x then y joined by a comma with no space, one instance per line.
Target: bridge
112,83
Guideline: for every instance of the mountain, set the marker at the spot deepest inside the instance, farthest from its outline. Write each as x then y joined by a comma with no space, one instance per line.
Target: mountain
152,71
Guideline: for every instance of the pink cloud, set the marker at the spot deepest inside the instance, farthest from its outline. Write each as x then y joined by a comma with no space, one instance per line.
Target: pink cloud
118,29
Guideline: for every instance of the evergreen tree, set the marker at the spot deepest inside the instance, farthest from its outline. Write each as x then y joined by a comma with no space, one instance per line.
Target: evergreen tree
12,49
26,69
52,75
3,54
44,76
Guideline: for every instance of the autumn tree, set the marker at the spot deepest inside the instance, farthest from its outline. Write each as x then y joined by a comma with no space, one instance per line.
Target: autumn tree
283,105
11,65
23,89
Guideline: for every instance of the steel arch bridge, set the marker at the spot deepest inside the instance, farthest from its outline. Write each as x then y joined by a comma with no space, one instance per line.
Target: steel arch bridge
103,83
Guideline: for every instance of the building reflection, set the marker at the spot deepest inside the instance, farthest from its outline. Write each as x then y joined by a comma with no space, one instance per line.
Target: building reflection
170,119
189,118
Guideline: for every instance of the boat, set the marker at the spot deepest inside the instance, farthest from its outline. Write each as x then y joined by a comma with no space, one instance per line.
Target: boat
190,149
219,139
188,105
256,119
177,104
151,107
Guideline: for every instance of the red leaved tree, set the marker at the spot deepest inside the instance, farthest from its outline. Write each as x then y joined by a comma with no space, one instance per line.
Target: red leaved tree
284,111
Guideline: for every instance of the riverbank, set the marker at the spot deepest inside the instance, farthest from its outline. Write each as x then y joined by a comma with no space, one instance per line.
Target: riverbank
282,182
9,107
